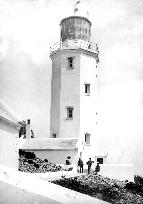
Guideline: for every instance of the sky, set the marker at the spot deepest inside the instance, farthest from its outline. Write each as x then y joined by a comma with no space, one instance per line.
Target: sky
27,30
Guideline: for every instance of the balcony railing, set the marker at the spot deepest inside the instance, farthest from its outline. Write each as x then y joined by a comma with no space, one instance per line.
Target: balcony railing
75,44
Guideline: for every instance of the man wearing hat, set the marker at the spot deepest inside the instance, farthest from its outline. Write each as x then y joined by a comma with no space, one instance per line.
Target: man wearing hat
68,161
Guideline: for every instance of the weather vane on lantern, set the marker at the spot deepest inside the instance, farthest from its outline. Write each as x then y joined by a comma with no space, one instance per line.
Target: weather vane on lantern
76,6
76,9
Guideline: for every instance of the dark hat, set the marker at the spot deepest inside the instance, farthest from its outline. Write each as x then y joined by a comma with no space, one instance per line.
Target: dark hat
68,157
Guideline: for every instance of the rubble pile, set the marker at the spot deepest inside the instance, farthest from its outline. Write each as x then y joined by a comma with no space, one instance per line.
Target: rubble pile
29,163
37,166
110,190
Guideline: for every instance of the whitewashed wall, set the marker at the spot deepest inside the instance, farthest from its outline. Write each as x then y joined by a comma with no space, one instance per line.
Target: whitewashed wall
56,156
8,145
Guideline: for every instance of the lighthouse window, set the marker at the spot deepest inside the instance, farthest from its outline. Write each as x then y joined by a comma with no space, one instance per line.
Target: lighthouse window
87,89
87,139
70,62
69,113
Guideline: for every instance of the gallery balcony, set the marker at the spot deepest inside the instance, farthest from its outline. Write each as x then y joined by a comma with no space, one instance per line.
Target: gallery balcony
74,44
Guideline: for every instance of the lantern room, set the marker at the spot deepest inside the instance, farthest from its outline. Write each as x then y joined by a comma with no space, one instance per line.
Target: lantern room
75,28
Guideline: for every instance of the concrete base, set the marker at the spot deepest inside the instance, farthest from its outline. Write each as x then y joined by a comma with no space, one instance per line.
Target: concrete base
118,171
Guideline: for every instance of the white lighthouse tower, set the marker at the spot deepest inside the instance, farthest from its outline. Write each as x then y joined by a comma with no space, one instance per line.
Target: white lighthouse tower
74,84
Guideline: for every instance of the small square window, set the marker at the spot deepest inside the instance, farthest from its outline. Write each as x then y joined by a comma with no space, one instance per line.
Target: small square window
87,139
54,135
87,89
70,62
100,160
69,113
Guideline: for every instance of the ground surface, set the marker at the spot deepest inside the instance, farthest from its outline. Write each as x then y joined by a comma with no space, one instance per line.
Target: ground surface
106,189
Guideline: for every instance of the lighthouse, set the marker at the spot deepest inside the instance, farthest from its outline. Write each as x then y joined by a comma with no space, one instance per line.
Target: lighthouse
75,59
73,112
74,107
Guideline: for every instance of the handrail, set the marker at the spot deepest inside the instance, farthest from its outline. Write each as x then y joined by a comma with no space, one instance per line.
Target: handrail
10,123
7,113
89,46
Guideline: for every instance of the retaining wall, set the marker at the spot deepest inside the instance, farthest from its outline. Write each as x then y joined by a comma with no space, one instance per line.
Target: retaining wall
21,188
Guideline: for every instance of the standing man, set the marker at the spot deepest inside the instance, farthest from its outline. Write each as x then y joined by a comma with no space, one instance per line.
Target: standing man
80,164
89,164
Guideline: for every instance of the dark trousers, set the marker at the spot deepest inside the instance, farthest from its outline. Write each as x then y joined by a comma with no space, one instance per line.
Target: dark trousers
81,169
89,168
